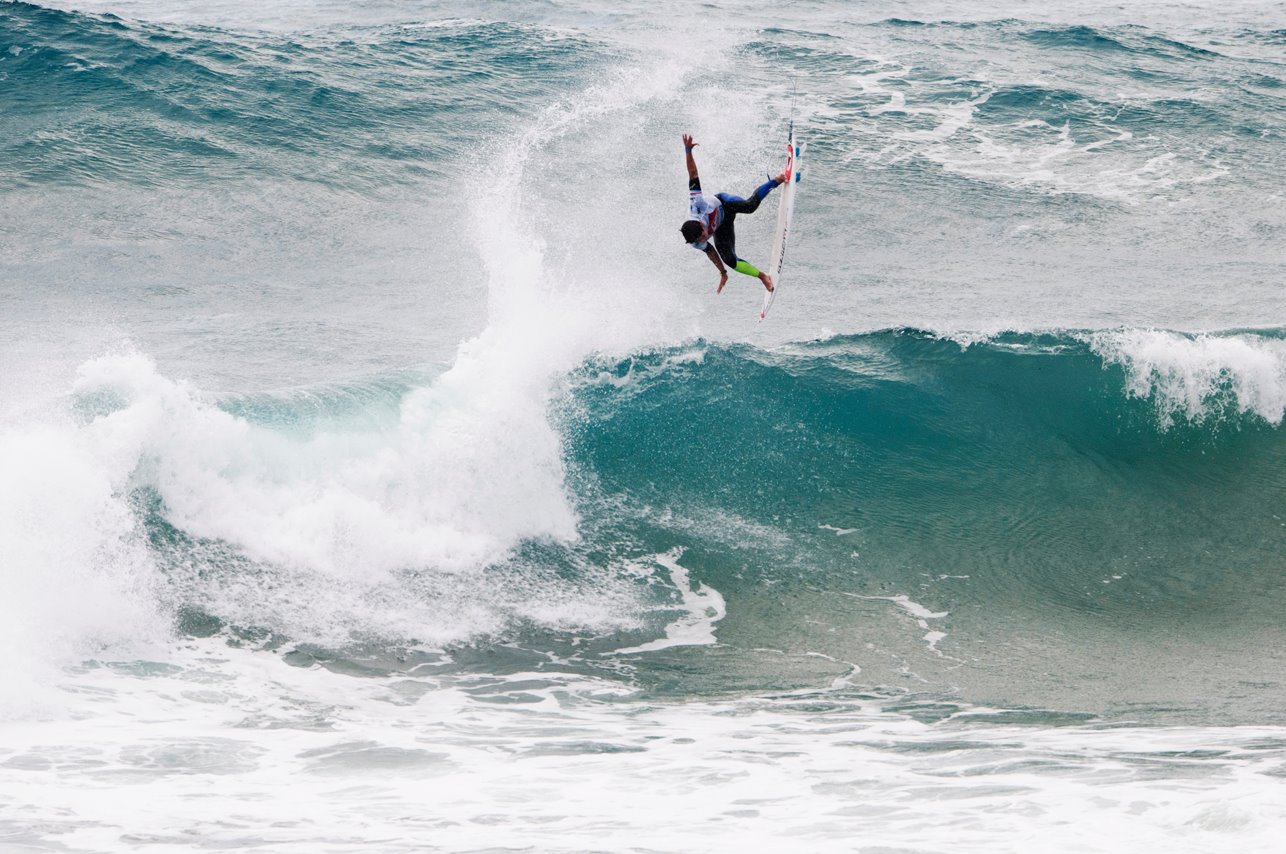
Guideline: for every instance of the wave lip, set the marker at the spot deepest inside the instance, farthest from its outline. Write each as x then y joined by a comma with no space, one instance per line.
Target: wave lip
1200,378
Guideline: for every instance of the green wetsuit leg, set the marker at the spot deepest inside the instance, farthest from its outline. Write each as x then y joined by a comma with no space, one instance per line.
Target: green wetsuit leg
746,268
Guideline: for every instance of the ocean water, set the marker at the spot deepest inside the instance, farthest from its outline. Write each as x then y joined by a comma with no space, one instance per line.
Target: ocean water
380,472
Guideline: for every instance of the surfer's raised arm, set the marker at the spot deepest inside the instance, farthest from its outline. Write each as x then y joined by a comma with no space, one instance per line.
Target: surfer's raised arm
694,180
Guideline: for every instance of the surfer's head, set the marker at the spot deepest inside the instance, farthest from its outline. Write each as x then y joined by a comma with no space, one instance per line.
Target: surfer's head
692,231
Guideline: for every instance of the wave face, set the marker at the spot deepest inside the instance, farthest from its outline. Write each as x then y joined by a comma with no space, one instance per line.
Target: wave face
1034,486
997,447
1015,502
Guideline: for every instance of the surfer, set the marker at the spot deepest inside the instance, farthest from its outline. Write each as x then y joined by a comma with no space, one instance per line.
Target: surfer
709,217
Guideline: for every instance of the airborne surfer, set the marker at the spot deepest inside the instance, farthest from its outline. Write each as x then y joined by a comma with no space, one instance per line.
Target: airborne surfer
713,218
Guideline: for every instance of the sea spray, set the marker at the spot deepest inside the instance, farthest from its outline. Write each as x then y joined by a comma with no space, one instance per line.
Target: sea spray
1201,378
78,578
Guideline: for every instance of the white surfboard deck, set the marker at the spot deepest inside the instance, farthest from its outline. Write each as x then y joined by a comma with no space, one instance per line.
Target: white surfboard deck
785,213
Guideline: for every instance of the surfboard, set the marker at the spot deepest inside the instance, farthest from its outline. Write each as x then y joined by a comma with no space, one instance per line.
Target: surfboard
785,213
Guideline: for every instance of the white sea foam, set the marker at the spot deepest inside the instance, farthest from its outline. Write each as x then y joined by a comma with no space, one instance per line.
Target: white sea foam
921,614
703,607
1090,155
311,537
305,759
466,472
1044,156
839,532
1199,378
75,571
642,369
716,526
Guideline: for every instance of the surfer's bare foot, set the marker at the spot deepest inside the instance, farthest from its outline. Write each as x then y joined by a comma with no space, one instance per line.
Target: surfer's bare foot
767,280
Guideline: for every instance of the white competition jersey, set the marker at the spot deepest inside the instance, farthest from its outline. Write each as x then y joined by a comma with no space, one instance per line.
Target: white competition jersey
706,210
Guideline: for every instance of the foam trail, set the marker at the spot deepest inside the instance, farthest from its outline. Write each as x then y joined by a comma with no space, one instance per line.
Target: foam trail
921,614
839,532
703,606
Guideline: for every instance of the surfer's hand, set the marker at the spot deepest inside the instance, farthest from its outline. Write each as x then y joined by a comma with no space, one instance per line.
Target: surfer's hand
688,142
723,280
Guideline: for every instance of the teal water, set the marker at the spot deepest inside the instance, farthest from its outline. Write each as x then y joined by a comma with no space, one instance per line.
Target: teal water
366,430
1015,483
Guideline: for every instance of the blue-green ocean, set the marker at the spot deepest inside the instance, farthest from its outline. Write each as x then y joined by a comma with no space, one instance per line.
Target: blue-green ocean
380,472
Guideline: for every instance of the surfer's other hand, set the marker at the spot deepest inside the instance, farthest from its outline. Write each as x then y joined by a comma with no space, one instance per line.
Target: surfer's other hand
688,141
723,280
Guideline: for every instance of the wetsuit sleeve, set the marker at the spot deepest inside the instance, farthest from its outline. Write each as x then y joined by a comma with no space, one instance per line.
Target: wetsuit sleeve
694,186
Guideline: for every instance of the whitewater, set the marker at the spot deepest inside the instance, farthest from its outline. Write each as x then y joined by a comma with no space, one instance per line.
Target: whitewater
380,472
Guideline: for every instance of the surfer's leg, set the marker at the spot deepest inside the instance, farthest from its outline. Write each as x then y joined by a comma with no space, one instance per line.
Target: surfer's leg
731,204
747,269
736,204
727,251
762,191
725,236
725,243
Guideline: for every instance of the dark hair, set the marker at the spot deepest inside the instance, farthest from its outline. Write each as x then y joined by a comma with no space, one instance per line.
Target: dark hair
691,231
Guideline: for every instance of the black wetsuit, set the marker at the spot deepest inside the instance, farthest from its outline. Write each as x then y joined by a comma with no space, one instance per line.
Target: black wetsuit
725,237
